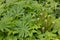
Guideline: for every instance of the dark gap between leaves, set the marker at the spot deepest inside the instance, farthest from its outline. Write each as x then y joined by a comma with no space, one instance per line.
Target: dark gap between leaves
17,39
35,35
58,5
48,2
3,2
56,33
15,34
43,36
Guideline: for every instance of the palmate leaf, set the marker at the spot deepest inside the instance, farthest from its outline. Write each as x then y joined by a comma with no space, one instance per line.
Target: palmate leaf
22,29
16,9
6,22
22,20
22,26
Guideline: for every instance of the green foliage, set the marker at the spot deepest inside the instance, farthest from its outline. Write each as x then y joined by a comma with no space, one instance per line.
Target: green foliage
29,20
